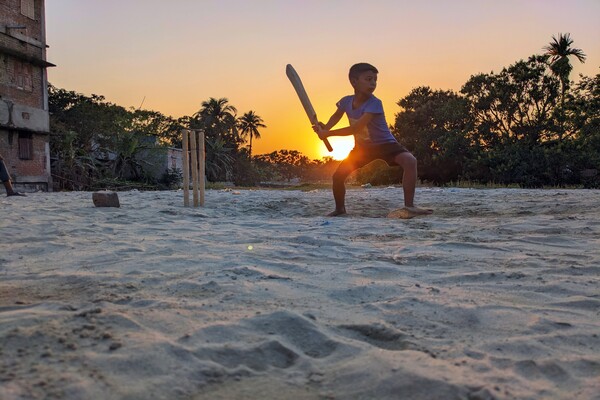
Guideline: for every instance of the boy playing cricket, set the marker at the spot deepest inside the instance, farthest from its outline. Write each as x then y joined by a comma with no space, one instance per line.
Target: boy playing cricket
373,140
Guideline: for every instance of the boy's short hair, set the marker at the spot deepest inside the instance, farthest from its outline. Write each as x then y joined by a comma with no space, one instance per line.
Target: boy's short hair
359,68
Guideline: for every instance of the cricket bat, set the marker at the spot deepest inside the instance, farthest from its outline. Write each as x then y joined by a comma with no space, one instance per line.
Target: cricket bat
301,92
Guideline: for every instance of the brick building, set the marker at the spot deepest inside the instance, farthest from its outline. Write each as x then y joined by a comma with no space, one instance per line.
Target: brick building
24,118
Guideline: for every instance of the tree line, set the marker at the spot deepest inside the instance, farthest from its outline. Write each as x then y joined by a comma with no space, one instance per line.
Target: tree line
95,144
529,125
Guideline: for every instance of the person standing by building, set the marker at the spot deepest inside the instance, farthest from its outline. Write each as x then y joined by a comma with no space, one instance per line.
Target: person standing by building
5,178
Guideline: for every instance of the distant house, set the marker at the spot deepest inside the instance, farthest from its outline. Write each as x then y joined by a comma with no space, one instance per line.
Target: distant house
154,160
24,119
158,161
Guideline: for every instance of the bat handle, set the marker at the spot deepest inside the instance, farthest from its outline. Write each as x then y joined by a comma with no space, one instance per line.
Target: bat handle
327,144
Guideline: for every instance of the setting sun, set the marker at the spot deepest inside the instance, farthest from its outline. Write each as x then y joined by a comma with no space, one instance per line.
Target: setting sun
342,145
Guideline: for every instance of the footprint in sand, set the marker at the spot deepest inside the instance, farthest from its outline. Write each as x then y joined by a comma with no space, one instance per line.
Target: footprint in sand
408,212
379,336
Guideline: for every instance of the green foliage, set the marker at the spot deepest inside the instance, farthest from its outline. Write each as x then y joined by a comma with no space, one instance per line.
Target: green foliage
93,140
217,118
434,126
515,105
558,51
225,134
583,109
166,129
172,178
320,170
285,164
378,173
219,160
248,125
520,126
247,173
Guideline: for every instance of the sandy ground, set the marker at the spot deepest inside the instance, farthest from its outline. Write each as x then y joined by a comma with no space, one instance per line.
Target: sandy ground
258,296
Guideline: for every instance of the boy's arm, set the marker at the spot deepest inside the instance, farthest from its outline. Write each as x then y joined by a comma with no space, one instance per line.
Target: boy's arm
334,119
359,126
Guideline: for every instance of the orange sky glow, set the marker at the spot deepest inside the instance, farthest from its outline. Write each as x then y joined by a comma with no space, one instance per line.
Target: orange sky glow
171,56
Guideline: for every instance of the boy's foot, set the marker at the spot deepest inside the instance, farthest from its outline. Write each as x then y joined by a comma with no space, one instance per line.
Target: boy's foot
337,213
409,212
16,194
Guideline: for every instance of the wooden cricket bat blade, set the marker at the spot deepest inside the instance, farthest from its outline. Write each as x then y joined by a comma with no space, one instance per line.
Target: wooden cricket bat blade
301,92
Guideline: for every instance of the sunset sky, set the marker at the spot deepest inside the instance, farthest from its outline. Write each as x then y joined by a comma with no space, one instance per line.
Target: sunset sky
169,56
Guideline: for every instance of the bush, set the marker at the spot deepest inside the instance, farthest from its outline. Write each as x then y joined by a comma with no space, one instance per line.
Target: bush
172,178
379,173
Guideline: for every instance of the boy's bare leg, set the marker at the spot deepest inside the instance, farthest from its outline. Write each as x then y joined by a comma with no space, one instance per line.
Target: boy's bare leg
408,162
339,188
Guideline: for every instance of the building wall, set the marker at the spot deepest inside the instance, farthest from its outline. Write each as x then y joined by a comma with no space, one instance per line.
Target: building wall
32,172
21,82
24,93
11,10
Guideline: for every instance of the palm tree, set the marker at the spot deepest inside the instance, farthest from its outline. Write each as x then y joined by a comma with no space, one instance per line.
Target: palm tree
249,124
216,117
559,51
218,120
219,160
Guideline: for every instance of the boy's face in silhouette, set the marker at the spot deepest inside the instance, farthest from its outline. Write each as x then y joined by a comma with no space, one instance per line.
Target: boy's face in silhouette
365,83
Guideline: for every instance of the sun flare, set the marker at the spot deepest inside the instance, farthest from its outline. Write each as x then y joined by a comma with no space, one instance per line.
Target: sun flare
342,145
